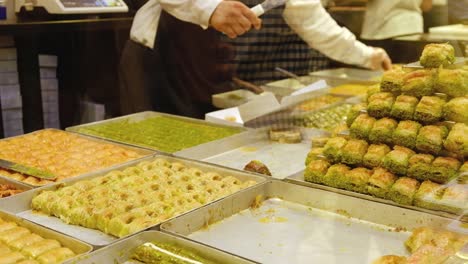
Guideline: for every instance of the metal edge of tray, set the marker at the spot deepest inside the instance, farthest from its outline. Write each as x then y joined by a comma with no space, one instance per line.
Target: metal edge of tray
351,100
142,151
119,252
215,148
332,74
19,185
296,179
346,100
374,212
78,247
22,202
141,116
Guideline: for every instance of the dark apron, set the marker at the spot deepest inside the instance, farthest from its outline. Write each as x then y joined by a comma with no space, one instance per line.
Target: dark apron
189,64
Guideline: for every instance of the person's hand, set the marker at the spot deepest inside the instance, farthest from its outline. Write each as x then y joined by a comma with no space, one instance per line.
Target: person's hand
379,60
234,19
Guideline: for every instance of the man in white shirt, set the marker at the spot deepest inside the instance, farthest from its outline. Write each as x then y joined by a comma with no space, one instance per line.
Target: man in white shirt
386,19
300,25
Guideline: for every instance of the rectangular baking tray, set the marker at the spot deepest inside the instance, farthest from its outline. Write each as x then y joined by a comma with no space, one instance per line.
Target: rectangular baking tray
139,117
120,252
78,247
350,75
285,87
18,185
21,204
297,224
142,151
235,152
298,178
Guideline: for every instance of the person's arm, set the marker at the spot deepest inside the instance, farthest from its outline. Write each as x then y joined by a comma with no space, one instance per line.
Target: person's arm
426,5
311,21
230,17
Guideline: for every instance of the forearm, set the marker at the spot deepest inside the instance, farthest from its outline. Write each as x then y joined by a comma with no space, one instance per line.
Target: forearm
193,11
316,27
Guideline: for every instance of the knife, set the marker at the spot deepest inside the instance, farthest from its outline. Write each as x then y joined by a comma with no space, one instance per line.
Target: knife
267,5
31,171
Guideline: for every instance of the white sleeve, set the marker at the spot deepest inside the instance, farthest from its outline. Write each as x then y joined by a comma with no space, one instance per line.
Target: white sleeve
315,26
146,21
193,11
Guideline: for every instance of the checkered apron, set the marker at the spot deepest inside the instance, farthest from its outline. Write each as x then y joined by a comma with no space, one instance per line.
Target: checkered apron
259,52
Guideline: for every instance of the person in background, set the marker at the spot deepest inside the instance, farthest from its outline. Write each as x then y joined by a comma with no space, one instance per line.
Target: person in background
174,65
386,19
458,11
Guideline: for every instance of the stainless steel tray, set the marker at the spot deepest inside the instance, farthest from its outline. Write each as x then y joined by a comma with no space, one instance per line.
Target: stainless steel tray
235,152
19,185
285,87
21,204
143,152
298,178
297,224
350,75
120,252
78,247
139,117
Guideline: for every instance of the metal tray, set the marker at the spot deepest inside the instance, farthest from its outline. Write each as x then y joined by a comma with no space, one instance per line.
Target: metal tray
299,179
232,98
235,152
285,87
350,75
19,185
21,204
297,224
139,117
78,247
120,252
144,152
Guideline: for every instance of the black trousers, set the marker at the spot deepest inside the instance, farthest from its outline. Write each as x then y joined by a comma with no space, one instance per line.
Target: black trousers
148,83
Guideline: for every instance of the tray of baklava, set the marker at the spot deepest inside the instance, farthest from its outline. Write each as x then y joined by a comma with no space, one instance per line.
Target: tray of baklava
63,154
280,222
157,131
99,208
9,187
158,247
27,243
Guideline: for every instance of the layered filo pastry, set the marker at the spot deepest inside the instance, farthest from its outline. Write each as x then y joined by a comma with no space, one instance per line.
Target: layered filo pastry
19,245
380,104
404,107
380,182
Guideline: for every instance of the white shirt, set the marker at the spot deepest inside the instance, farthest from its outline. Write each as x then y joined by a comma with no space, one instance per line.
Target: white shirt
307,18
391,18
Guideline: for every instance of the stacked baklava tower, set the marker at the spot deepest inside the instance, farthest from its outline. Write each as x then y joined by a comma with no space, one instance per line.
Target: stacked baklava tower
409,142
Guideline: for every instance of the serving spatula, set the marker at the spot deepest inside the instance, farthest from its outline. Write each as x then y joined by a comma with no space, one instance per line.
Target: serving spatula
31,171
